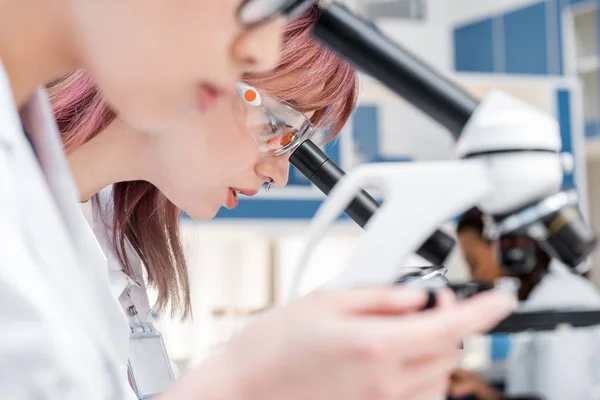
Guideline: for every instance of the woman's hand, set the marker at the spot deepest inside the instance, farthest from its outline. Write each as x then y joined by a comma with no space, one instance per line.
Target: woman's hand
353,345
465,383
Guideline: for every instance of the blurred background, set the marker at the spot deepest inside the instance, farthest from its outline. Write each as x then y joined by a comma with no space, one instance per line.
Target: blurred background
543,51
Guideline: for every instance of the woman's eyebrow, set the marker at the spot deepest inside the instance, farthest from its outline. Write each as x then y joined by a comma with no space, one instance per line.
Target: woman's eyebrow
295,104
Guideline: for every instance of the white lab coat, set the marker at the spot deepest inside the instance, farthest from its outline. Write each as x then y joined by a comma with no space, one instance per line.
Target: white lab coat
557,365
55,300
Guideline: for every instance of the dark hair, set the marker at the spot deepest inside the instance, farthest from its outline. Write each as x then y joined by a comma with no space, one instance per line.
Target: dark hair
473,219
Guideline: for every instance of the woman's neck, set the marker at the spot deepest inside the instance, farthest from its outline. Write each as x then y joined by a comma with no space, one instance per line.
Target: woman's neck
117,154
35,44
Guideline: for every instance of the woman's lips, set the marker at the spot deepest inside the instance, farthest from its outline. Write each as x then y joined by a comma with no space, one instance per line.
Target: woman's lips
232,197
232,200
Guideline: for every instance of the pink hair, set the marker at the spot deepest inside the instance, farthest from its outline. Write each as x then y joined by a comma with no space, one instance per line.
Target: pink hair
143,216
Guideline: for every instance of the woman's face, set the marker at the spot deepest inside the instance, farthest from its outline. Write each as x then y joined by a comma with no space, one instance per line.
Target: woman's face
199,168
480,256
162,63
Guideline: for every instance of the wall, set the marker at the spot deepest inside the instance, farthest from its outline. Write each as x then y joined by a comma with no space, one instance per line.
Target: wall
468,10
430,38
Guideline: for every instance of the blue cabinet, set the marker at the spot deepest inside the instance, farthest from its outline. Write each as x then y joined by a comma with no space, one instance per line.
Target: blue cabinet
473,47
365,132
574,2
526,40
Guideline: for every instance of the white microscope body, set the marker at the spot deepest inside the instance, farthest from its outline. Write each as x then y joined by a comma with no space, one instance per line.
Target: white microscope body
510,158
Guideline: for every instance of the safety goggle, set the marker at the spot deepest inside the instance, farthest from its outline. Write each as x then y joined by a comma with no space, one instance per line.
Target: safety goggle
254,12
276,126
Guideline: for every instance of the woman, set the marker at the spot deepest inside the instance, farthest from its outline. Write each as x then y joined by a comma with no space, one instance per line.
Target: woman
311,88
163,65
552,365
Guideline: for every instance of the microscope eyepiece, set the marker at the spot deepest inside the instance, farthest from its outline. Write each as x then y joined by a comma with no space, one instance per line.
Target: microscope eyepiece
517,252
570,238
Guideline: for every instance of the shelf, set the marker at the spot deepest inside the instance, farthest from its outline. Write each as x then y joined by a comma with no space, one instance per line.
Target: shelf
592,149
589,64
586,31
589,83
581,9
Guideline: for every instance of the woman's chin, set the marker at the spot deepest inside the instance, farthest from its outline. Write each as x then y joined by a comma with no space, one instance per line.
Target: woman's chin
202,214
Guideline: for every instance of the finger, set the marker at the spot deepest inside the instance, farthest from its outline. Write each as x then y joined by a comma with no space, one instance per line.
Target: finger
418,376
480,313
445,298
427,333
382,300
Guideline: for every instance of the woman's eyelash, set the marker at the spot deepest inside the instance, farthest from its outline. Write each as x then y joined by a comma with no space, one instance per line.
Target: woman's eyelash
275,124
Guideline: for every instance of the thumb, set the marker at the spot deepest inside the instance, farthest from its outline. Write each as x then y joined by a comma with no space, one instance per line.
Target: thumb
383,300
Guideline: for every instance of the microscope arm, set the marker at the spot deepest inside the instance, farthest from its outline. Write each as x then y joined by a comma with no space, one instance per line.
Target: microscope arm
410,213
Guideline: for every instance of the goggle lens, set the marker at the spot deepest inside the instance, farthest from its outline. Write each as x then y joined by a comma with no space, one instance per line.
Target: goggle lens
276,126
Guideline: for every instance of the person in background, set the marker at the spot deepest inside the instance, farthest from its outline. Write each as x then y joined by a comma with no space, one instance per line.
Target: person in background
549,365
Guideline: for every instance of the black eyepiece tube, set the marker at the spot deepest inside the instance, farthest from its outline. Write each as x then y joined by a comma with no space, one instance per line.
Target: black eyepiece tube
324,173
362,44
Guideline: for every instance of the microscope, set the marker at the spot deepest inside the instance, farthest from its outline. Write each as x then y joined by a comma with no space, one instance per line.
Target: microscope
510,166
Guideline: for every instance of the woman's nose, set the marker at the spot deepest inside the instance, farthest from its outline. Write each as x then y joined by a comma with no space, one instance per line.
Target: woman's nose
276,169
259,49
